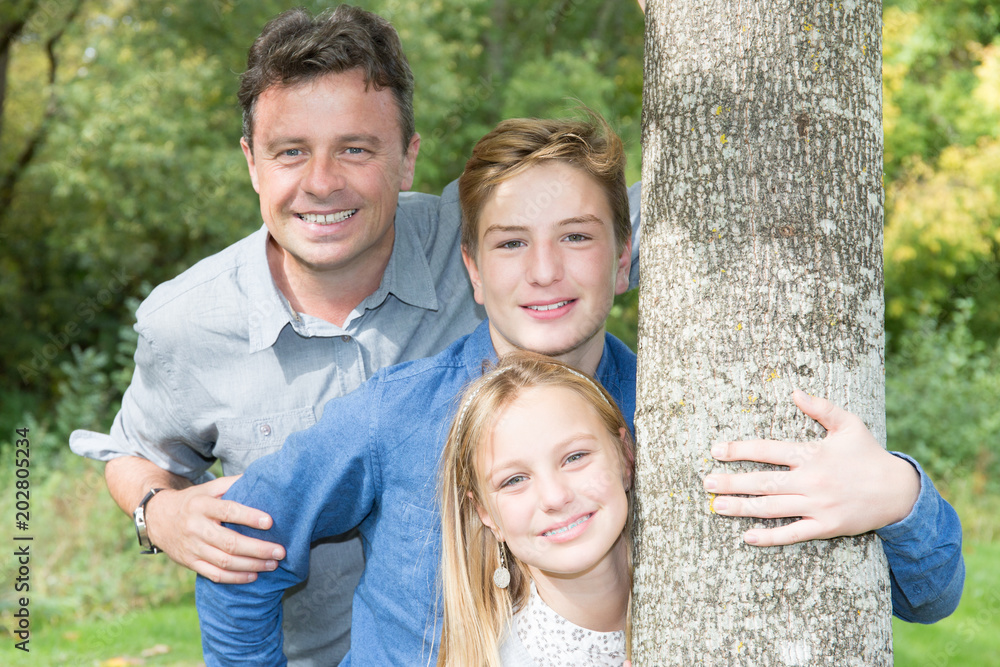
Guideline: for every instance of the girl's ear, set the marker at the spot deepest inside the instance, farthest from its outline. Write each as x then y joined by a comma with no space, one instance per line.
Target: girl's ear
487,520
627,473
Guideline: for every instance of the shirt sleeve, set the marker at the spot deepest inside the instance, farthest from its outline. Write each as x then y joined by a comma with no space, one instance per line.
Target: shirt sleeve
321,483
152,422
926,567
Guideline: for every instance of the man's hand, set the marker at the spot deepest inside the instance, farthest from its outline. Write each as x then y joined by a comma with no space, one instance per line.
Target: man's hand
186,525
845,484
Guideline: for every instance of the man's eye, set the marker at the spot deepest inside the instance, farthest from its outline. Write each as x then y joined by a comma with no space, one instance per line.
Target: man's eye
354,150
292,152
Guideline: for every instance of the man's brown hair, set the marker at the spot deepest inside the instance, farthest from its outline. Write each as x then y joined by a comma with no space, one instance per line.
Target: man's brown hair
295,47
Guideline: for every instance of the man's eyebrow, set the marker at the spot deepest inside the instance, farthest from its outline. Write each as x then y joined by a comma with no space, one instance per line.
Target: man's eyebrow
369,139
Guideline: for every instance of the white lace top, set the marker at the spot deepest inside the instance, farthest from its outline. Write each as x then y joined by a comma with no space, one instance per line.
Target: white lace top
545,639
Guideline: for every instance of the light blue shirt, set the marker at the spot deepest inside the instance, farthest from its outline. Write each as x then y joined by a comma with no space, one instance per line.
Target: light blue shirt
225,369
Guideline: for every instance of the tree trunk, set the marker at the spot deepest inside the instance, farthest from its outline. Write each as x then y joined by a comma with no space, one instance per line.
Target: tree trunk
762,272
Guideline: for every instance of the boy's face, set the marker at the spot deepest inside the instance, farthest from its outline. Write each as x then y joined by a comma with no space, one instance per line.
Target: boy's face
547,267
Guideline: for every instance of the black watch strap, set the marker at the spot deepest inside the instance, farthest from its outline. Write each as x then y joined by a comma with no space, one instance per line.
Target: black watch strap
140,524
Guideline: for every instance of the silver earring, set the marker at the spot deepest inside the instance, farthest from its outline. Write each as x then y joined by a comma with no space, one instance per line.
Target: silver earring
501,576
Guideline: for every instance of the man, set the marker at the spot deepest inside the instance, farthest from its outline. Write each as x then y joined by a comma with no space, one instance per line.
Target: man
546,243
246,347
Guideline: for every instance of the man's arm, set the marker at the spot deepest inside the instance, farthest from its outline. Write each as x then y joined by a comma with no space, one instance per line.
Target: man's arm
151,447
847,484
184,521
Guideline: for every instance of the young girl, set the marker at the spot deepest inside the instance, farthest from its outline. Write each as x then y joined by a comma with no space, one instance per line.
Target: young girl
536,513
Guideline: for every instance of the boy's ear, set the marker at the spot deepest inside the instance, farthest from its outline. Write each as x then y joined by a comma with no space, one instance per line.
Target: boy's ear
627,473
487,520
474,277
623,268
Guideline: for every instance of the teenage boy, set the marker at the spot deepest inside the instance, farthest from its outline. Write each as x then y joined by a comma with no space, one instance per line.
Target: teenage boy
546,243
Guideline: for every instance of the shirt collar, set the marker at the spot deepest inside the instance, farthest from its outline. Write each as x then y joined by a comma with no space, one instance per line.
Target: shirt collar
407,276
268,310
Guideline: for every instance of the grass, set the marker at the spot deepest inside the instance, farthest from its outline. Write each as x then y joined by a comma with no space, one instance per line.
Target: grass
971,636
160,637
96,602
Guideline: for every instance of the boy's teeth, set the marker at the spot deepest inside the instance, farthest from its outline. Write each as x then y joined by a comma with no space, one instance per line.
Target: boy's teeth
327,219
551,306
565,528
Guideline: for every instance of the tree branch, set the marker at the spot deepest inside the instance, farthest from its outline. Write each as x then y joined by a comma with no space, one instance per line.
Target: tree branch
10,178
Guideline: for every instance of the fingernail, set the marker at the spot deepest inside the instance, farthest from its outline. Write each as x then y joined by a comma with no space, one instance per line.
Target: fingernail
251,576
263,524
277,554
711,484
719,449
803,395
720,504
271,565
751,538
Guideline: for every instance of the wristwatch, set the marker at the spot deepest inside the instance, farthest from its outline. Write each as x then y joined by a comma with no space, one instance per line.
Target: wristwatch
140,524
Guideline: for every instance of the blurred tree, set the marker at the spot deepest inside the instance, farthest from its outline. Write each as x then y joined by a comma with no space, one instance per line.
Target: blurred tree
942,136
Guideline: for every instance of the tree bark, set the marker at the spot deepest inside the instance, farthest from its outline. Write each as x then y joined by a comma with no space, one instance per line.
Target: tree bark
762,272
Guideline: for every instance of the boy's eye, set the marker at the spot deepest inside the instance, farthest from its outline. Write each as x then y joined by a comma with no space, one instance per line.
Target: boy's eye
510,245
576,237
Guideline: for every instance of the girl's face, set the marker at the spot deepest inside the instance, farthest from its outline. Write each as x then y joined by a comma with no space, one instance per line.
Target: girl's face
553,484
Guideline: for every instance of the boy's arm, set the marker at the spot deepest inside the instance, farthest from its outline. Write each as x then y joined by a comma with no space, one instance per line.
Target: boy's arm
847,484
321,483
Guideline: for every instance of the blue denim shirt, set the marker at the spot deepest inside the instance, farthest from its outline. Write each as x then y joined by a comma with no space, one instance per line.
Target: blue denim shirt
372,462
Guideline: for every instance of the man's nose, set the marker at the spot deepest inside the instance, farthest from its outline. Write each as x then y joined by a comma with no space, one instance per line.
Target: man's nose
324,176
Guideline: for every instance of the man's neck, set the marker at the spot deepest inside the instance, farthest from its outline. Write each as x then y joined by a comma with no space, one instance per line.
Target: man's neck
330,295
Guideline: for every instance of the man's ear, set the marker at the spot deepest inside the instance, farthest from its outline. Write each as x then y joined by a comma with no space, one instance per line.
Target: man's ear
487,520
474,277
248,154
410,163
624,265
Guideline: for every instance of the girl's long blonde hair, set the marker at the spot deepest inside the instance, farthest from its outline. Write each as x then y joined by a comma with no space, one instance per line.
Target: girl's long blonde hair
476,612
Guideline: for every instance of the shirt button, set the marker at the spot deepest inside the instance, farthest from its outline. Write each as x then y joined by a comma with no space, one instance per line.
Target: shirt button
345,338
265,429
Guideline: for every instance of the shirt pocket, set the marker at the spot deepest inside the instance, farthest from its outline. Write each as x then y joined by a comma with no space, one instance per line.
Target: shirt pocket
243,441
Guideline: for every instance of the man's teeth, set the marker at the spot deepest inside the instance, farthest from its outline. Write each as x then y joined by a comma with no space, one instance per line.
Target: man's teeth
328,219
565,528
551,306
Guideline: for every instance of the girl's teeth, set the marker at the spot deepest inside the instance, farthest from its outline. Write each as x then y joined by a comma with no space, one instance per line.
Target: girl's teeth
565,528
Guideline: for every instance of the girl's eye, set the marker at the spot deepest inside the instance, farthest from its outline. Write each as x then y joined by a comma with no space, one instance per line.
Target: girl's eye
512,481
576,456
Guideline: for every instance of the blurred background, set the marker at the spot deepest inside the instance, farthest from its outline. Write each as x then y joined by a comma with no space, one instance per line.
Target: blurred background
120,167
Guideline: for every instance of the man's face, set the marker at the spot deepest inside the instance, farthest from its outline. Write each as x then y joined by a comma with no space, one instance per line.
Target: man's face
546,267
328,165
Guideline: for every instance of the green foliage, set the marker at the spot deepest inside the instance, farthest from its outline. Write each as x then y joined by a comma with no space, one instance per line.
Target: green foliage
941,81
941,389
